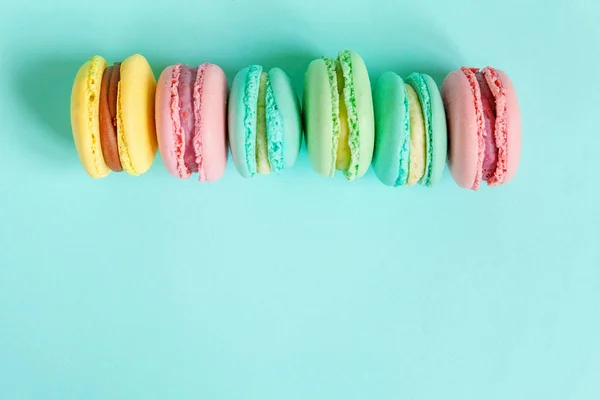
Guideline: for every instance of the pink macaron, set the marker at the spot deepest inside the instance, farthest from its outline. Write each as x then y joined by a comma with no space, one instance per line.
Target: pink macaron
191,120
484,127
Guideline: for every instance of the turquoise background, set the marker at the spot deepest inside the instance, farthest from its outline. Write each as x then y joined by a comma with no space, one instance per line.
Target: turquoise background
295,286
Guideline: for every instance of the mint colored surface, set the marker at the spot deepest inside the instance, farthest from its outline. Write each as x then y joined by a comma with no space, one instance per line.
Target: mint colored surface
294,286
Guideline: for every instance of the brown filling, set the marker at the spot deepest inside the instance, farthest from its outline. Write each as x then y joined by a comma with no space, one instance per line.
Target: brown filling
108,116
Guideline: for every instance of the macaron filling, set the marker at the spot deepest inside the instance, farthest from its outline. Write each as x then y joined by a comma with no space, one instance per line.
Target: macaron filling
263,124
417,82
345,139
418,156
343,153
262,148
479,118
185,108
108,116
492,132
187,117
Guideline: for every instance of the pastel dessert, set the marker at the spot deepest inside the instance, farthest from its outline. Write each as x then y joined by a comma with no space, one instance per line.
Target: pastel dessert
191,120
265,129
484,125
338,115
112,116
410,130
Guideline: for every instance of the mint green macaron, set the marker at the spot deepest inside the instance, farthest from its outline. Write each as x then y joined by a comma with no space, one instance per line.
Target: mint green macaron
410,134
264,123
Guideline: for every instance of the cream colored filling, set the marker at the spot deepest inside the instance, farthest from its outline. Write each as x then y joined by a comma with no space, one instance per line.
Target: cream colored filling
262,148
343,150
416,168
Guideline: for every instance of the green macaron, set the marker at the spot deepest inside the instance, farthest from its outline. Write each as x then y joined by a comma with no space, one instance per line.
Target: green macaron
338,116
411,134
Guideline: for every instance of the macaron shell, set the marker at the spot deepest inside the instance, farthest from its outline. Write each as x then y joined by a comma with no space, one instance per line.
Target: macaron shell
390,130
513,126
85,101
364,107
235,121
318,122
214,122
463,147
165,130
135,110
289,110
439,131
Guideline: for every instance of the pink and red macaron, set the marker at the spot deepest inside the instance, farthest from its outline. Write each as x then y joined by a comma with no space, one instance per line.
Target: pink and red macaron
191,120
484,127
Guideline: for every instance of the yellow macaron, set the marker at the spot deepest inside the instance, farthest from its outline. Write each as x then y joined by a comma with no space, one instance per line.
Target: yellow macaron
112,115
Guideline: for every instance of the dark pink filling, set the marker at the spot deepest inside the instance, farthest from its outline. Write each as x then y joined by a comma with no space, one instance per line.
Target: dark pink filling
490,159
186,114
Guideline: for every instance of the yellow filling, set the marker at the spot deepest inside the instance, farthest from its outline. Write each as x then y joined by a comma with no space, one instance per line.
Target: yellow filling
121,142
262,151
342,162
416,167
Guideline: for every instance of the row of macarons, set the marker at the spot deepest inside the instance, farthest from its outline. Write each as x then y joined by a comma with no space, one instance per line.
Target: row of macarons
406,129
